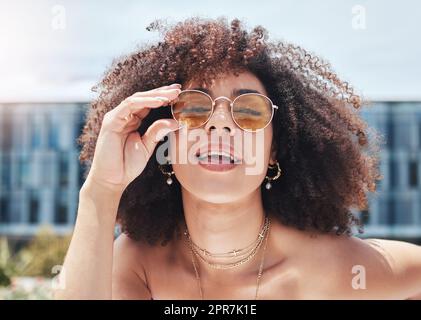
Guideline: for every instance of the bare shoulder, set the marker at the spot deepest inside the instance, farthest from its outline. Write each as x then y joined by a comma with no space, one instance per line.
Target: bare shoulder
371,268
127,249
129,277
140,255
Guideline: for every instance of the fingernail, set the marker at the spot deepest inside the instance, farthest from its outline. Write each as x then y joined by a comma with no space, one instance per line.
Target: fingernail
177,84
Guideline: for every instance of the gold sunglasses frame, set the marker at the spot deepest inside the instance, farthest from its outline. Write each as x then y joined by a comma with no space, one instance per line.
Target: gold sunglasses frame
274,107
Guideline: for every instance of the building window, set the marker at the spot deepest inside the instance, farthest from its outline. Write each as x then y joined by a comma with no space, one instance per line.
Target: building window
17,206
53,132
413,173
48,162
404,211
393,173
6,130
36,131
6,181
4,209
365,216
391,216
63,168
33,209
60,212
402,134
23,171
383,213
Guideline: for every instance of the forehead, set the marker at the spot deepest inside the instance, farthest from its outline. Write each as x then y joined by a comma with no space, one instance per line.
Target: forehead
227,83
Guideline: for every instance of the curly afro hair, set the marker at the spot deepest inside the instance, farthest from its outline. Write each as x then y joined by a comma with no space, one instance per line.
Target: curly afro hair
328,153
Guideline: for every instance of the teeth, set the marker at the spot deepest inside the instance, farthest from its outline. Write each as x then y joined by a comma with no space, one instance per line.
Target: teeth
218,154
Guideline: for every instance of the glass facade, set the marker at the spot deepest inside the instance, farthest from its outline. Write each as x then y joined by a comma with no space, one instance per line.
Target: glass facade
395,211
40,175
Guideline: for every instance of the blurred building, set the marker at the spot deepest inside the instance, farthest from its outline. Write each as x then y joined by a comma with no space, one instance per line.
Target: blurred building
41,175
396,211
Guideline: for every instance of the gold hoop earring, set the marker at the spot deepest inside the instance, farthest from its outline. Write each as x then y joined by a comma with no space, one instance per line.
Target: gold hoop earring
268,184
167,173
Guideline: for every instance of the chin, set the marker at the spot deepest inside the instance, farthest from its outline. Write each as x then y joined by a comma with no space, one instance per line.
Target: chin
216,187
220,192
217,197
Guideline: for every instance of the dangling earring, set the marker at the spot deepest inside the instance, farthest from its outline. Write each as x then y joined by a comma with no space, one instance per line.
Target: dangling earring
167,173
278,174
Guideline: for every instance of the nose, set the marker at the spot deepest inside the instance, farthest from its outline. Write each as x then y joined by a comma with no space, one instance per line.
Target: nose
221,119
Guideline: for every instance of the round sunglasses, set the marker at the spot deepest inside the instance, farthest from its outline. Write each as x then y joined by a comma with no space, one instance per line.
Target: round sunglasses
249,111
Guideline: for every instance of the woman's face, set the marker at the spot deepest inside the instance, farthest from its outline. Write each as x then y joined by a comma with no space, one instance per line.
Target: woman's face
198,166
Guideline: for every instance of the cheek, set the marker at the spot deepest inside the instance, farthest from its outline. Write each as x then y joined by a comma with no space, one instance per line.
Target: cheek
268,140
259,146
180,157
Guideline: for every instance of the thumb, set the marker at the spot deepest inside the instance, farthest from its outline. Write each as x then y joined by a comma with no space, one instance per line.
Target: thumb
158,130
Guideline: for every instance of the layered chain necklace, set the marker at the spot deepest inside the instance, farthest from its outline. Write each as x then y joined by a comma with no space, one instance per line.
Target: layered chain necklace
244,255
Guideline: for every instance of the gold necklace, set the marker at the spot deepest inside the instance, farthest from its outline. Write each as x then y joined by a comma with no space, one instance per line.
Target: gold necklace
237,263
235,252
259,274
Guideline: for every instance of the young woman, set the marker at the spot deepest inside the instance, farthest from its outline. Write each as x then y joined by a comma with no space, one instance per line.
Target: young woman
223,226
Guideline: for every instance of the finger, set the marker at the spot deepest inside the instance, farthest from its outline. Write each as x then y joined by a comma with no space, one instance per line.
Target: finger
153,91
132,125
171,86
122,115
136,105
134,118
157,131
171,93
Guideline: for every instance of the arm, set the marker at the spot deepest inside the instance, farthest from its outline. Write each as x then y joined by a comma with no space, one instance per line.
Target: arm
86,273
405,262
120,156
411,259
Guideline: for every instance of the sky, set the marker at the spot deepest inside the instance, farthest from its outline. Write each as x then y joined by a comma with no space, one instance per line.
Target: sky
57,50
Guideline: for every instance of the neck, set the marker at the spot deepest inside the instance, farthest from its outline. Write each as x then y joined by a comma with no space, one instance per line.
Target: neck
220,228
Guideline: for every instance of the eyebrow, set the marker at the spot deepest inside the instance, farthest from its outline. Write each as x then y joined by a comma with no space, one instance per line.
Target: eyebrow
235,92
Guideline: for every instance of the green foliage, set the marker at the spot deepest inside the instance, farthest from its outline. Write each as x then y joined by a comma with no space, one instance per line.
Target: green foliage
36,259
43,252
4,278
27,273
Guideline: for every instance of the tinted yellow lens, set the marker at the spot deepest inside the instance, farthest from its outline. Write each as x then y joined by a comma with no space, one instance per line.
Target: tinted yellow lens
192,108
252,111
